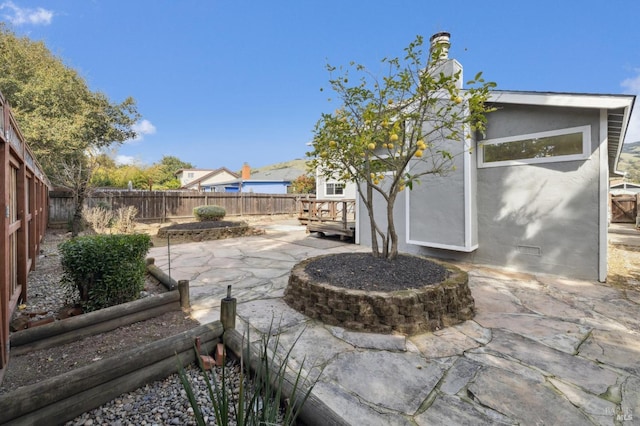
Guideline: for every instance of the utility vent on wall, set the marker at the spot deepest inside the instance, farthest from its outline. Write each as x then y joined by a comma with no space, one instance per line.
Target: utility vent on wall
530,250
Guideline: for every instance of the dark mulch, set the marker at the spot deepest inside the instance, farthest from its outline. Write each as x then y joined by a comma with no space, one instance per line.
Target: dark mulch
212,224
363,271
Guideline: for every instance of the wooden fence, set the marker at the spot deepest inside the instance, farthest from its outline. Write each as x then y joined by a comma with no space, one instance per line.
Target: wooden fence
624,208
23,220
163,206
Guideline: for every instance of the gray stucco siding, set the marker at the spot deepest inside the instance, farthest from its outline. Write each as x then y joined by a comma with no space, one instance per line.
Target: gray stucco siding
530,217
542,217
514,120
536,218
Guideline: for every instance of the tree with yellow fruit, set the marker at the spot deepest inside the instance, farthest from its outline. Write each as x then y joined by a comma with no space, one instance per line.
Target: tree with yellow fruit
387,133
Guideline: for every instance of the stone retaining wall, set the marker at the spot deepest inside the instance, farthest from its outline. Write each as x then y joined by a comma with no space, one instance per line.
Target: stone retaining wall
407,311
212,233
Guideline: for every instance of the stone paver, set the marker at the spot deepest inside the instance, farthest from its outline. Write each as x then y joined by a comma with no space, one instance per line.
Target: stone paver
524,400
540,350
579,371
614,348
451,410
373,377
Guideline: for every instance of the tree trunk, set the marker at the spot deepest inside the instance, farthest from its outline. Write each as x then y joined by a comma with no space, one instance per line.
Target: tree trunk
76,221
392,235
372,222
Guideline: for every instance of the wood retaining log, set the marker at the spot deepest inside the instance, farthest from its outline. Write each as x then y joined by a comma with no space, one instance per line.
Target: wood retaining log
185,300
66,396
160,275
29,335
76,405
314,412
93,329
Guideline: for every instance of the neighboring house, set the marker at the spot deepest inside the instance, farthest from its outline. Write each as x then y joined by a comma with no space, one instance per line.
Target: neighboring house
625,188
204,180
510,203
275,181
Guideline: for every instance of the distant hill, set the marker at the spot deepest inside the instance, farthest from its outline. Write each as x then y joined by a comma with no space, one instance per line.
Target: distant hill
630,161
298,164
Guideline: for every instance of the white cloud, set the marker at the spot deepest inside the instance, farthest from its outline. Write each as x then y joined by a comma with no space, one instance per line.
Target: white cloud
143,127
632,87
124,159
22,15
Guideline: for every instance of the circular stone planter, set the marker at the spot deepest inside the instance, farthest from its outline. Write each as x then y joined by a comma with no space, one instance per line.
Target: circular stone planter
410,311
203,231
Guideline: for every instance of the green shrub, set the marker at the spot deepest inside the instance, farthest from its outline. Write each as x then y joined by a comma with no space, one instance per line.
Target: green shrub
105,270
209,213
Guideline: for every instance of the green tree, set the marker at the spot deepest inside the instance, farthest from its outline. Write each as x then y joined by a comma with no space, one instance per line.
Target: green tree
389,131
104,175
64,122
304,184
168,167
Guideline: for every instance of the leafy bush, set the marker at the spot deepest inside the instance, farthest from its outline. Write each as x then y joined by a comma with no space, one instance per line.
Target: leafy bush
209,213
263,401
105,270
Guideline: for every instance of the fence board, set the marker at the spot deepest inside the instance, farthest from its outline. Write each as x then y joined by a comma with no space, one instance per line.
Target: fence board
162,206
23,191
624,208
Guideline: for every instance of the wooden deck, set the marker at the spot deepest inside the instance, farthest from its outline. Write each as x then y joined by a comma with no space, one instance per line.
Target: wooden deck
329,217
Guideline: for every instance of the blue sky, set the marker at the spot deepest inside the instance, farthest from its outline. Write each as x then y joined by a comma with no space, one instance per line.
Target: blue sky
220,83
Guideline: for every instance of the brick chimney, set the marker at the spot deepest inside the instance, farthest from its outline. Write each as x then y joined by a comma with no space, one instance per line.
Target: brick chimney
246,171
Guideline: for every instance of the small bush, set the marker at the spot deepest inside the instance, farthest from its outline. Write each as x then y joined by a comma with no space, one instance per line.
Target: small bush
124,220
104,220
209,213
99,218
104,270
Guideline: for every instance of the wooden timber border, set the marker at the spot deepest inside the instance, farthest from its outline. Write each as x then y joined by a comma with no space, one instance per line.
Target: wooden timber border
68,395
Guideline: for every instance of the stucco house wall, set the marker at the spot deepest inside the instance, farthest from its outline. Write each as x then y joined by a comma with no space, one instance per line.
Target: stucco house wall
203,179
348,192
542,217
258,187
185,176
546,213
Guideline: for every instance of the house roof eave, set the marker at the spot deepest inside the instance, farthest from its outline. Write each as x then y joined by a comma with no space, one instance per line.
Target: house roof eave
561,99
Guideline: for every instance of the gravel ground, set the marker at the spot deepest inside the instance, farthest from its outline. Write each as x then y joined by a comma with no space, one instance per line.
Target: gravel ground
158,403
362,271
163,402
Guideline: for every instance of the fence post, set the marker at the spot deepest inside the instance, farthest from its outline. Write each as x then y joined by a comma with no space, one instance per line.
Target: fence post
183,289
164,207
228,311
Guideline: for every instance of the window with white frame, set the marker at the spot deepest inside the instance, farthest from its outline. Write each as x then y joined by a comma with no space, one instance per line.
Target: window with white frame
543,147
332,188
